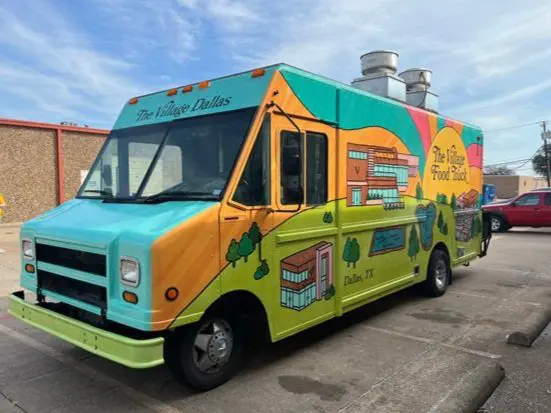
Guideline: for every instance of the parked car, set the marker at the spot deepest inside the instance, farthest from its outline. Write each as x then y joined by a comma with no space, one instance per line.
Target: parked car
532,209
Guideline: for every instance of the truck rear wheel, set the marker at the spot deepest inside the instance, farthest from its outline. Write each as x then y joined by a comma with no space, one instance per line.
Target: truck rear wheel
438,274
205,355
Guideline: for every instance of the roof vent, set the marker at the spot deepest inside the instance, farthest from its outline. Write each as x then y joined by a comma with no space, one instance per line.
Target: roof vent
379,75
418,82
380,61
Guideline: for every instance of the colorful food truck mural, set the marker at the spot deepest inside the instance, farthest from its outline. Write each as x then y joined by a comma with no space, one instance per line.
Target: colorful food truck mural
260,203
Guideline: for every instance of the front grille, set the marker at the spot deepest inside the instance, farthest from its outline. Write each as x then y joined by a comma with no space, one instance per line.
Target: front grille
69,287
77,260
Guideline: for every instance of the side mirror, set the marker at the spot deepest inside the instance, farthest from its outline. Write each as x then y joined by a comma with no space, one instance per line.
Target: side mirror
107,175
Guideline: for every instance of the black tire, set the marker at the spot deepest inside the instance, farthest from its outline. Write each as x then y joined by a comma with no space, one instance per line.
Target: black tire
181,354
498,224
436,283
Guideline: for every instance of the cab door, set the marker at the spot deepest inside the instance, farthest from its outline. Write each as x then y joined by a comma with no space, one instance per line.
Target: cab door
246,219
545,211
305,250
525,210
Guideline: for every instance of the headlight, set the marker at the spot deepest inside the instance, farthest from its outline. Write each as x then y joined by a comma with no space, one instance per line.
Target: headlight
28,249
130,271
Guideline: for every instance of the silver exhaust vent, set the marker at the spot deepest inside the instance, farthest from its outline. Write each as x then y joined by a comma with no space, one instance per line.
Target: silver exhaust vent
418,93
379,75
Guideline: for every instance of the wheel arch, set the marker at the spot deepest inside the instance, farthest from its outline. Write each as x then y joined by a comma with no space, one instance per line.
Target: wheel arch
441,246
500,215
245,304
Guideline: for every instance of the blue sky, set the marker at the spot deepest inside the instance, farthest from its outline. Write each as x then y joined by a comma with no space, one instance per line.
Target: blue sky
81,60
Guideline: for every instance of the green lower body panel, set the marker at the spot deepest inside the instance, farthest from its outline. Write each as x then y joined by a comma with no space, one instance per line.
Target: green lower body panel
127,351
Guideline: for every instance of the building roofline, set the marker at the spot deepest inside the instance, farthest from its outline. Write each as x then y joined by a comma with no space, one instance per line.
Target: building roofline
52,126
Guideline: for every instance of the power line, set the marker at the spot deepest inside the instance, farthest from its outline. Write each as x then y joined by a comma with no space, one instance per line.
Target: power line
518,126
508,162
524,161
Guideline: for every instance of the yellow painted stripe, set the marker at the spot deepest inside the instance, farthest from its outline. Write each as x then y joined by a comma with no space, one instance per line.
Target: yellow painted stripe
379,224
282,238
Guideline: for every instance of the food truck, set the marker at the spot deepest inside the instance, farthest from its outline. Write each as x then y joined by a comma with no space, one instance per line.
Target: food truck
254,205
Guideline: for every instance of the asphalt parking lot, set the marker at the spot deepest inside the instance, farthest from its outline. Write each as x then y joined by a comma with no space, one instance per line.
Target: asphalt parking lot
404,353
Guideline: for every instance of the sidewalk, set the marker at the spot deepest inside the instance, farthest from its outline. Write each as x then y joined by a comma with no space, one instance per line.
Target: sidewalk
9,258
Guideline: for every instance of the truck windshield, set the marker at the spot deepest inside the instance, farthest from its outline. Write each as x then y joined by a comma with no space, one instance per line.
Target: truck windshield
183,159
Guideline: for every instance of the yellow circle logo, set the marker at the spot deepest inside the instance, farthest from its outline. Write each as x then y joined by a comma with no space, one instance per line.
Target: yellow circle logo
447,170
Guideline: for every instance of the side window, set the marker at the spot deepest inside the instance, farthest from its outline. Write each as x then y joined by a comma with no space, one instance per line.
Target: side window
291,168
548,199
254,186
316,168
528,200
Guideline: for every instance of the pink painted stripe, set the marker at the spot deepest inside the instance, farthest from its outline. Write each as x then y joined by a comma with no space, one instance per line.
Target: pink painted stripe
474,155
421,120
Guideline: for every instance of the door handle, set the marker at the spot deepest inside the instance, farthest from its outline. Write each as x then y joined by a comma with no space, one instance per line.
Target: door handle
232,218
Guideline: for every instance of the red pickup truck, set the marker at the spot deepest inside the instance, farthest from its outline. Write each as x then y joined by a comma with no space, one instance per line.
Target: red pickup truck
532,209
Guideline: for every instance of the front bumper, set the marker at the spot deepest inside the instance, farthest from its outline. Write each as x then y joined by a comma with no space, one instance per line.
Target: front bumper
127,351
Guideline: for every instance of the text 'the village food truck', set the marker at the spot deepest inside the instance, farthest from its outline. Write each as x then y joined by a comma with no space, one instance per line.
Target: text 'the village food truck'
265,202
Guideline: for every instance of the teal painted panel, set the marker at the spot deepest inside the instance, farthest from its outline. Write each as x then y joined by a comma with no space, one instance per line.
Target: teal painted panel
470,136
224,94
114,229
81,246
320,98
440,123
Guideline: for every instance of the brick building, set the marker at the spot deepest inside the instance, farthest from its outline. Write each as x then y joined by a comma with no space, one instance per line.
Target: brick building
41,164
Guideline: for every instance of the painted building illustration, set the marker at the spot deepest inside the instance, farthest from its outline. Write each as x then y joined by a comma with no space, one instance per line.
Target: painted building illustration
306,276
378,175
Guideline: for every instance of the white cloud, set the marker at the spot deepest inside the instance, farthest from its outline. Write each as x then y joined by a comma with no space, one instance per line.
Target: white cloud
230,15
490,59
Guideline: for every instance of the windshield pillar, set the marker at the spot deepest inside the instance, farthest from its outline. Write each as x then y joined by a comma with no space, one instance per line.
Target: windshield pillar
123,166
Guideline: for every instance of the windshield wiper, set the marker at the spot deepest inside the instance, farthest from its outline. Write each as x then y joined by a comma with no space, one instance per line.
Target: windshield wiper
180,195
99,191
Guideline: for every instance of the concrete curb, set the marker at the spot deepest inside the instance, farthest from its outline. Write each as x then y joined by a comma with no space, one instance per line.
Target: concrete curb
473,389
531,328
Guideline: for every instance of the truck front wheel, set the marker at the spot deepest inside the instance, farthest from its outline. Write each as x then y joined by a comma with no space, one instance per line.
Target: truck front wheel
206,354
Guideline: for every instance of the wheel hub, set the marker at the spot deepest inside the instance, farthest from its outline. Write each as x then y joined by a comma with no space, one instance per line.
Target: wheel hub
441,274
213,346
218,347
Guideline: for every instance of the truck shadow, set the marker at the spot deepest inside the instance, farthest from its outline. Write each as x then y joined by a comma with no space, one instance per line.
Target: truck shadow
260,355
158,383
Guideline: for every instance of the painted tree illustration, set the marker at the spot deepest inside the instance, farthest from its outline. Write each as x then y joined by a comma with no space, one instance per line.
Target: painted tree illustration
453,202
256,238
246,246
233,253
330,292
354,251
328,217
442,199
347,250
445,228
262,270
413,248
476,226
440,221
419,192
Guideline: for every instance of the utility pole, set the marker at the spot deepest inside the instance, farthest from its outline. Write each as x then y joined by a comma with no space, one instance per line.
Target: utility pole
545,135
